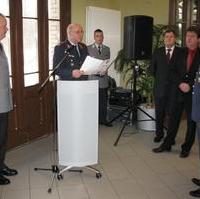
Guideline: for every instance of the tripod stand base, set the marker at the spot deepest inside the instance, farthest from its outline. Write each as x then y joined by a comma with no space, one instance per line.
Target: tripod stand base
57,173
98,173
69,168
133,109
129,110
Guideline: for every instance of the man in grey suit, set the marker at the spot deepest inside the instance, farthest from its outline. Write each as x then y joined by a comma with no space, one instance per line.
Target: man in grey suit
5,105
100,51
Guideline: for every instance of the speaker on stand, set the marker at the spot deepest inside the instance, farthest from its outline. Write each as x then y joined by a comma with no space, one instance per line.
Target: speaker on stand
138,38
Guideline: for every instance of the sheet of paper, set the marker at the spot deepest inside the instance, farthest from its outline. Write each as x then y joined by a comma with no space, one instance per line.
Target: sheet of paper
93,65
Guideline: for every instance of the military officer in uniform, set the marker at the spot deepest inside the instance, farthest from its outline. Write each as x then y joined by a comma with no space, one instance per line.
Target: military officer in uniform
75,53
196,118
101,51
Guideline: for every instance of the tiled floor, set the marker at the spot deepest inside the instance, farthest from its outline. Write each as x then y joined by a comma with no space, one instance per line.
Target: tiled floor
130,170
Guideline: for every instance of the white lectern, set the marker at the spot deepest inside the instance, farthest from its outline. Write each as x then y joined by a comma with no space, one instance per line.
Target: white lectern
77,115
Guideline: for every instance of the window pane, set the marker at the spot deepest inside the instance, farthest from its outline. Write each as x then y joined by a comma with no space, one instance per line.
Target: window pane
31,79
179,11
54,9
30,44
11,82
194,11
54,39
4,8
180,31
6,45
29,8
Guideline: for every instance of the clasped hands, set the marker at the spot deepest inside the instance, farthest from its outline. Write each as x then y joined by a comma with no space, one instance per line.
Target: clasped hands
184,87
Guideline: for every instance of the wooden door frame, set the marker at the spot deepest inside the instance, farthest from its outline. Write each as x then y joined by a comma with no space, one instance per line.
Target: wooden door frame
18,132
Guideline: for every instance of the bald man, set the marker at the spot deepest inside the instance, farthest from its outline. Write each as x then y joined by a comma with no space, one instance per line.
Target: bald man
5,105
76,53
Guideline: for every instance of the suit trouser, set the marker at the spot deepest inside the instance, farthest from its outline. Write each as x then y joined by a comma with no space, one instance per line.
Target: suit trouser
103,105
3,137
160,110
198,140
198,135
174,121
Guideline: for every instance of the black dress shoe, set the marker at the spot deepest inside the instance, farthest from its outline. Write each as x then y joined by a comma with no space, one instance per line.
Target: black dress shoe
184,154
8,172
196,181
158,138
3,180
161,149
195,193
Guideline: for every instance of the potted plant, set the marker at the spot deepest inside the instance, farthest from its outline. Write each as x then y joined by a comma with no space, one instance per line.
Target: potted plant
144,82
144,87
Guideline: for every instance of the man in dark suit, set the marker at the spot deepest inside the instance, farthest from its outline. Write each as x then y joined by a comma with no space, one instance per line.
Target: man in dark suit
162,67
101,51
5,105
182,94
75,53
196,118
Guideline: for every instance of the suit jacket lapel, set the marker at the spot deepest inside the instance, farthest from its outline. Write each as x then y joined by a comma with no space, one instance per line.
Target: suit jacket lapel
173,55
195,62
184,61
163,54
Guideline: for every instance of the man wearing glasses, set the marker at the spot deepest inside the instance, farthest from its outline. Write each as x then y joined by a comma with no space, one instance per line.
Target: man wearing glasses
75,53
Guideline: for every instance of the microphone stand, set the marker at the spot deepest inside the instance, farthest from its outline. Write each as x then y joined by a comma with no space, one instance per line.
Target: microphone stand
111,63
54,168
52,73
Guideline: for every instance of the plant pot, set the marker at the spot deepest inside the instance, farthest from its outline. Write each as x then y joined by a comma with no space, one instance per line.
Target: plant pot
146,125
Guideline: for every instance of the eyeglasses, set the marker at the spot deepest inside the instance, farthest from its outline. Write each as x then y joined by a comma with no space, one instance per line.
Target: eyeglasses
78,31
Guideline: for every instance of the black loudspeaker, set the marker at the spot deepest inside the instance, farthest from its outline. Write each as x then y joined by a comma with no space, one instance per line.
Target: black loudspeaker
138,37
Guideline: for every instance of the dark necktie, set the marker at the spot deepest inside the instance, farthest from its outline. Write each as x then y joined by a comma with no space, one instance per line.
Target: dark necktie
168,55
77,49
190,57
1,47
99,49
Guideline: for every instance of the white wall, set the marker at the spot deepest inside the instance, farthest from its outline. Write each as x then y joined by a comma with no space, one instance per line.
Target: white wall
110,22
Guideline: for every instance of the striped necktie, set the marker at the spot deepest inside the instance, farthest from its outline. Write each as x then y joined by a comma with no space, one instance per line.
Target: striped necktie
99,49
168,54
78,51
